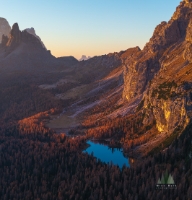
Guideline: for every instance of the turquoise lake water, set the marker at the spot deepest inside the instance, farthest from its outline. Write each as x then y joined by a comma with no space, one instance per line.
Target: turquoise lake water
107,154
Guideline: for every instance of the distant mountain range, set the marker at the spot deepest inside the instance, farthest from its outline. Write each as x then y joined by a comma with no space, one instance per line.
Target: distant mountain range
84,57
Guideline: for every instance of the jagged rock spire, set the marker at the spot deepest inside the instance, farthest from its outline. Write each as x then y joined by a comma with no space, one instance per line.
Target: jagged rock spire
15,36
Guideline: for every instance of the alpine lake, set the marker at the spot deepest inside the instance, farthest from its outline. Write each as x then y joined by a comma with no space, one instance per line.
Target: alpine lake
107,154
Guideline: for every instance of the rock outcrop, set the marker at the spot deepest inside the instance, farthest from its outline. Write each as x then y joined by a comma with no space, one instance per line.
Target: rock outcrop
22,52
139,69
32,32
4,28
14,37
187,1
162,73
145,64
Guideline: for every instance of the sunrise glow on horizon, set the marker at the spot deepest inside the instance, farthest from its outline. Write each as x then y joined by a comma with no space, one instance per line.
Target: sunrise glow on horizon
76,28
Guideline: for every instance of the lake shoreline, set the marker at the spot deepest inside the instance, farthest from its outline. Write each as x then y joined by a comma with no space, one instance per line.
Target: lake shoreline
106,153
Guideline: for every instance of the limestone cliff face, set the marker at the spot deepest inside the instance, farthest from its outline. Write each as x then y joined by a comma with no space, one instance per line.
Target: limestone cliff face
162,73
171,113
140,69
168,98
4,28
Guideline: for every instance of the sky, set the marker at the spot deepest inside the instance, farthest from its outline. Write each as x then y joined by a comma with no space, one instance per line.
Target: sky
89,27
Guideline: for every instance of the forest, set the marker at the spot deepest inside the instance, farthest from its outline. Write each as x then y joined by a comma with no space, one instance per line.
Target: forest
36,163
139,100
51,166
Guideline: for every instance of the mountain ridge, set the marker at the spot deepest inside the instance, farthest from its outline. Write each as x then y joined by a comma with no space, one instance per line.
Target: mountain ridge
32,32
161,73
156,98
23,53
148,91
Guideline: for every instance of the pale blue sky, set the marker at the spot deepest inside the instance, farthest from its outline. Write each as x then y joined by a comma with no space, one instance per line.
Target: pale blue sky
89,27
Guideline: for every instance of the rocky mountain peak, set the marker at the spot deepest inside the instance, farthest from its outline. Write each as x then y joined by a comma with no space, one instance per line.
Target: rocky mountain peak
4,28
158,74
170,32
15,29
32,32
15,36
145,64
